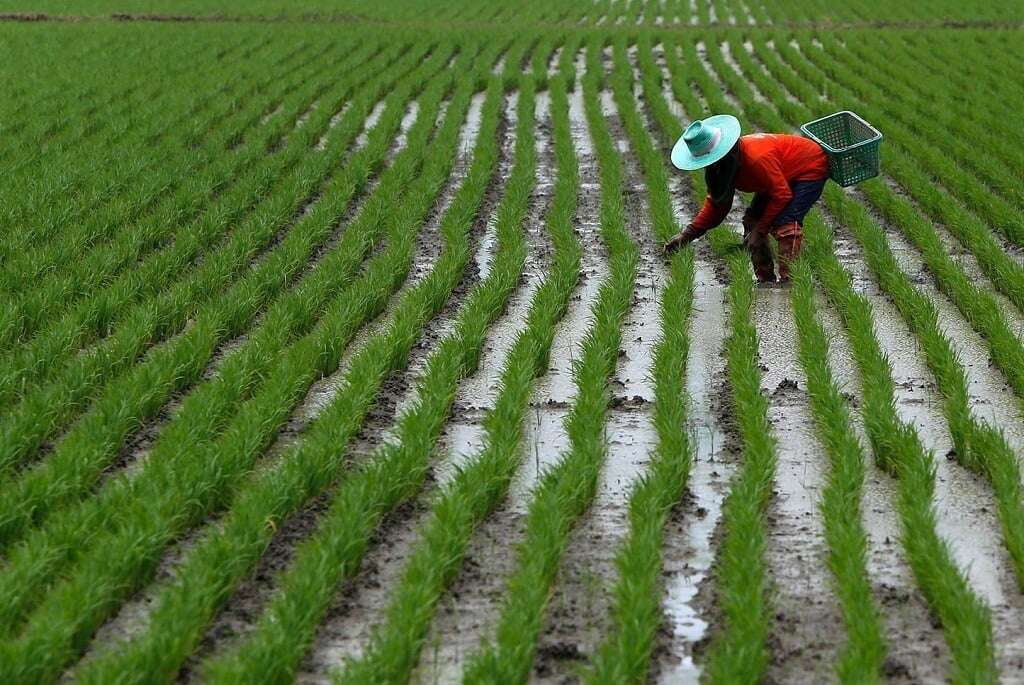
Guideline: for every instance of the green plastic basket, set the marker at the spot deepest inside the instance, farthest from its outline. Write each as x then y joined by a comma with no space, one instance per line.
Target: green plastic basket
851,144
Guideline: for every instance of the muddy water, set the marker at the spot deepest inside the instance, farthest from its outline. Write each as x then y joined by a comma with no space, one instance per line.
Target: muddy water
371,122
579,611
727,57
991,397
490,555
806,627
917,649
470,609
689,552
345,631
964,505
544,437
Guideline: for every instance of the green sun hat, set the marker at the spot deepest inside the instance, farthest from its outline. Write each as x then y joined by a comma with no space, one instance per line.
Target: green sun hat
705,142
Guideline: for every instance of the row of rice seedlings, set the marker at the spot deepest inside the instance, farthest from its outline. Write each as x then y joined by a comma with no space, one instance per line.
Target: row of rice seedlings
565,491
739,652
1006,274
53,172
978,445
976,303
166,312
864,653
981,182
863,657
88,447
897,447
987,68
164,506
167,194
127,188
167,278
929,108
914,164
396,472
222,558
625,654
37,304
964,617
482,483
207,411
51,95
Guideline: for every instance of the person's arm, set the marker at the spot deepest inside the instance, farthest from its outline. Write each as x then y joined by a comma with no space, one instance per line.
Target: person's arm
779,192
711,214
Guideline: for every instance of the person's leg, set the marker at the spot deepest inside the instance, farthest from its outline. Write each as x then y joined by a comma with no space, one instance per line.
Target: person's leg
788,228
761,257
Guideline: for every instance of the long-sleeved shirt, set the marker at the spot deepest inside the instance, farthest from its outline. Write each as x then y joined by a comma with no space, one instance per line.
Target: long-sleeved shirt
768,163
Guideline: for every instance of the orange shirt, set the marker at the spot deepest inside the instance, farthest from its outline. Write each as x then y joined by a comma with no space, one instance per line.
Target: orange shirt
768,163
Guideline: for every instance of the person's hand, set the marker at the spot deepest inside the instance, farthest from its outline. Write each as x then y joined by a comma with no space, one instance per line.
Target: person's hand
681,239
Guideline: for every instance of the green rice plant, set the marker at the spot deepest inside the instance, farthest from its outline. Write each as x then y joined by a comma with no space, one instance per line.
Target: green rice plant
59,626
739,652
206,412
479,487
625,654
916,165
980,181
397,470
119,303
566,490
863,656
964,616
112,197
904,164
159,190
80,457
223,557
992,457
33,307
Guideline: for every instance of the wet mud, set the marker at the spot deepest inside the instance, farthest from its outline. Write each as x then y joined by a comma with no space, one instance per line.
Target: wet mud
360,606
806,628
579,611
964,504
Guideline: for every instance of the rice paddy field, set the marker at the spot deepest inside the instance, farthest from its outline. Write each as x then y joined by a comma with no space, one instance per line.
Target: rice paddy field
337,345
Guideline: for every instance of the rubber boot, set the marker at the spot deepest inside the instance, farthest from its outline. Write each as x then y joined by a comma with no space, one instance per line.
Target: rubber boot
791,239
761,260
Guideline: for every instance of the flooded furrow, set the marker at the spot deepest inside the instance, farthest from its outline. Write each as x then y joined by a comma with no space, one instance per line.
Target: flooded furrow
964,504
806,628
579,611
917,651
346,629
690,539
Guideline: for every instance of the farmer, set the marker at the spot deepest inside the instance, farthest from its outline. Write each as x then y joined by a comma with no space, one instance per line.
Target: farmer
786,173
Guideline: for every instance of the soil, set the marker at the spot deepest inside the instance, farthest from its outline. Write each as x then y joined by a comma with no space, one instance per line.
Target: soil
346,629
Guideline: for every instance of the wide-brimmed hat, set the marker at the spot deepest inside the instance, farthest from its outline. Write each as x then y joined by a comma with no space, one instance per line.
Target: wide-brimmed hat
705,142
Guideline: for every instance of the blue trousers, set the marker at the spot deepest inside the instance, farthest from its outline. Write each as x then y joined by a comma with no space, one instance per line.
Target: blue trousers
805,194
